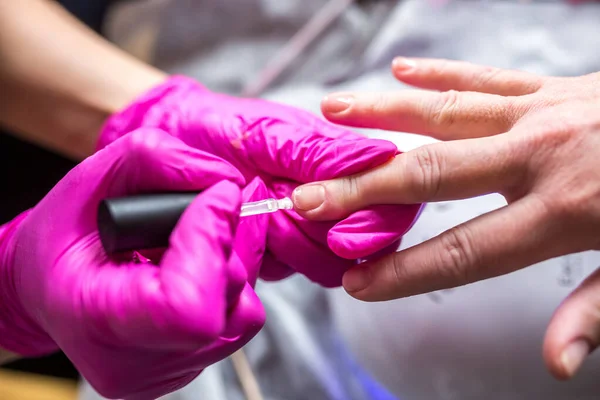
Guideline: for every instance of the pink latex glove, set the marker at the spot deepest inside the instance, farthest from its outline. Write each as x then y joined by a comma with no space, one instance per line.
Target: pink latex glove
134,330
285,147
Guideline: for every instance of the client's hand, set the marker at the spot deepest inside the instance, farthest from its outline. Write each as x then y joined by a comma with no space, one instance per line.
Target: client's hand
283,146
534,140
134,330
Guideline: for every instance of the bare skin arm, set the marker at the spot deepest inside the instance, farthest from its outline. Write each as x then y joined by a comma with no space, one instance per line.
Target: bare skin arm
59,81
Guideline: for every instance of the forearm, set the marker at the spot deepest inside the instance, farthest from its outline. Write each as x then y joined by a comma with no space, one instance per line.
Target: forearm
59,80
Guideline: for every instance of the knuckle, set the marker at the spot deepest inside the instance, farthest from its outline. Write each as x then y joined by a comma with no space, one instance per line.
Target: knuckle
553,136
510,111
487,76
560,208
548,131
521,107
444,111
564,132
440,69
572,206
398,270
423,169
351,190
518,174
458,255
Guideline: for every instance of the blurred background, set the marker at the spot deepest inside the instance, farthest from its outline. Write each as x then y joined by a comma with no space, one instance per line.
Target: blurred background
49,378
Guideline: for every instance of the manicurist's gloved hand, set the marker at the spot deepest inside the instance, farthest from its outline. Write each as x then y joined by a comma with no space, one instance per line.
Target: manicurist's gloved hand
135,330
285,147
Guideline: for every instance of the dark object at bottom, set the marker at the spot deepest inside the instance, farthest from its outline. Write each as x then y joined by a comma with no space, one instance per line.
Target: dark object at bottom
140,222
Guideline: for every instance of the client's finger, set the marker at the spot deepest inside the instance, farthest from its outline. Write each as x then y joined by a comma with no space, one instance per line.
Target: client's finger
445,75
445,116
574,331
441,171
497,243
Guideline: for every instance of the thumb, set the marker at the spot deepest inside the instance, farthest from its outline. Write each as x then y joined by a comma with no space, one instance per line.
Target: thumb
574,331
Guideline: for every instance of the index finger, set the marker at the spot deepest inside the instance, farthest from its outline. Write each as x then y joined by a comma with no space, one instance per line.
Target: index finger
437,172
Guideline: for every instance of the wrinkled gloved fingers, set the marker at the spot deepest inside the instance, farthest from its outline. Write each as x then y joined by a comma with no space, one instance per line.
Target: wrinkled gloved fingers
244,320
299,154
306,119
372,230
304,249
194,272
147,160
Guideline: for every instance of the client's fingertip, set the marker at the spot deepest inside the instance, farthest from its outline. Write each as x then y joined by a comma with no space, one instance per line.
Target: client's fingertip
308,197
336,103
356,279
573,356
402,65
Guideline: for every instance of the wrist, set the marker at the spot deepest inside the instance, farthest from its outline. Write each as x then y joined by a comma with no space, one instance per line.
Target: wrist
19,332
152,108
98,103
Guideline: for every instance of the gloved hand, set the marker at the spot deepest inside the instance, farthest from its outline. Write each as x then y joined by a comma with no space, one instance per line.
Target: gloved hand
134,330
284,146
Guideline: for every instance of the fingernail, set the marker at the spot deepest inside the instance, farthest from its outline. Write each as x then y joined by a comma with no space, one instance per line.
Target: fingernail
573,355
308,197
401,64
356,279
336,103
